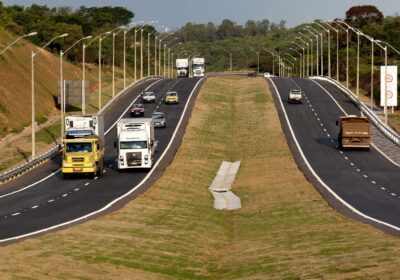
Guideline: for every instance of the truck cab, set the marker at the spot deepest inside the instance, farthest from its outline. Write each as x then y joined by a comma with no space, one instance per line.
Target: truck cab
136,143
354,132
83,149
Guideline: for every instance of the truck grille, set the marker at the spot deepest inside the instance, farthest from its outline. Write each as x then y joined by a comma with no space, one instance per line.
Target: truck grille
78,159
134,159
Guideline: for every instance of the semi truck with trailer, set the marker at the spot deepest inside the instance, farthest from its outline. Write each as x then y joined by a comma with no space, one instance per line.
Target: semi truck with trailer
182,67
198,66
83,145
136,143
354,132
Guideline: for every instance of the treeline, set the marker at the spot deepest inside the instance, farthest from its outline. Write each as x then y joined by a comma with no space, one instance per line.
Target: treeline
227,29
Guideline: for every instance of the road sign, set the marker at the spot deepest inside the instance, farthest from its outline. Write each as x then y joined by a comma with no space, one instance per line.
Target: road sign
391,85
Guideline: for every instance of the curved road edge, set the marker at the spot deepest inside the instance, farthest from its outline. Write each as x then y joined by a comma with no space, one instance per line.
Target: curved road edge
146,183
334,200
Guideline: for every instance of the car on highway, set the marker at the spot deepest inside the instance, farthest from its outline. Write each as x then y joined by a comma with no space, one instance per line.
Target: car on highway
149,97
137,110
171,97
295,96
252,74
159,119
267,75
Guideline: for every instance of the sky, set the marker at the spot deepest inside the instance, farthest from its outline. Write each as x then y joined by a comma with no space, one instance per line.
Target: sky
176,13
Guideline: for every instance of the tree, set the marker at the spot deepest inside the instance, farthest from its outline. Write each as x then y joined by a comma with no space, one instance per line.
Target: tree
359,16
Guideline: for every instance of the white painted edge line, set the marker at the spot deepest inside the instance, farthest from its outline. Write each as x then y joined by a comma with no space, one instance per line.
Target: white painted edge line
318,178
57,171
344,112
123,196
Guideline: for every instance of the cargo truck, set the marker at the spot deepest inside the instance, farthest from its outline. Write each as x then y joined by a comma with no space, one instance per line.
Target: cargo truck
182,67
198,66
354,132
136,143
83,148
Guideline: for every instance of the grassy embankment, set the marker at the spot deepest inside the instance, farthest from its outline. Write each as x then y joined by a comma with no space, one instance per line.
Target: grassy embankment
284,230
15,97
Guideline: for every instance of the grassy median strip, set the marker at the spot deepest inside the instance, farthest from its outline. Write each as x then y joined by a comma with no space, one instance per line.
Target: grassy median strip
285,230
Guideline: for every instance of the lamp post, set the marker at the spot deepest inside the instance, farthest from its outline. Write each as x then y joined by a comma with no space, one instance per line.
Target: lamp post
62,93
101,38
121,28
321,43
148,52
311,51
303,58
33,88
358,54
300,61
19,38
126,30
347,50
295,60
165,54
308,54
329,47
372,66
316,36
379,42
337,46
273,61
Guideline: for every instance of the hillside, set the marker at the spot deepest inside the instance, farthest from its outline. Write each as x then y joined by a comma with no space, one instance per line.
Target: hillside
15,85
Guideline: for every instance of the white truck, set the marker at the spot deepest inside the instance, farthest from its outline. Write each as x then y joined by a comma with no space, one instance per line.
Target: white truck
136,143
182,67
198,65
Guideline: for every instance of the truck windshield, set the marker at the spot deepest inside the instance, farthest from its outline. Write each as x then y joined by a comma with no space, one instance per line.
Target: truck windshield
197,66
79,147
133,145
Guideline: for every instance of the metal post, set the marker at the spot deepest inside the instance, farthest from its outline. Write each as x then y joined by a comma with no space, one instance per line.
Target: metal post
358,64
135,62
125,31
347,58
165,46
141,53
113,65
148,54
33,103
62,93
155,56
372,72
329,53
83,80
100,39
386,109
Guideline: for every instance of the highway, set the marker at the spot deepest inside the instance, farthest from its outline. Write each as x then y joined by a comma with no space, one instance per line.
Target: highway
42,200
360,184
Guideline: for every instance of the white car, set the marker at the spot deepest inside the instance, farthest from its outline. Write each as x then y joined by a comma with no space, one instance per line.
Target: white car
295,96
267,75
149,96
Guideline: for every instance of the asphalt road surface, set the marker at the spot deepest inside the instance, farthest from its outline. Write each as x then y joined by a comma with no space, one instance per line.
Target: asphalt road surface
362,184
42,200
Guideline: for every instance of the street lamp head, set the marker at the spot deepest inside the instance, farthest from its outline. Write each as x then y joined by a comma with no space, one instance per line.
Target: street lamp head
63,35
32,34
88,37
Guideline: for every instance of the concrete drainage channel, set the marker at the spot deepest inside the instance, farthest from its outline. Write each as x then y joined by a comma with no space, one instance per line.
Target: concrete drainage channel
224,198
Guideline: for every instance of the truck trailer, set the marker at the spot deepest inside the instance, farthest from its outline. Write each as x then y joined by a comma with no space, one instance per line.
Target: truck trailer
182,67
354,132
136,143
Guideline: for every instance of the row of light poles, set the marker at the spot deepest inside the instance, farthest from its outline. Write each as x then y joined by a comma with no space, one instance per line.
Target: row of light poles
100,38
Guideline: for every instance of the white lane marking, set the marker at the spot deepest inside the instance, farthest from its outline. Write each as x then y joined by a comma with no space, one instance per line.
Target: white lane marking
31,185
129,106
358,170
87,184
64,195
393,194
15,214
352,164
96,178
344,112
126,194
346,158
77,189
382,188
57,171
355,210
51,200
373,182
365,176
110,166
104,171
34,207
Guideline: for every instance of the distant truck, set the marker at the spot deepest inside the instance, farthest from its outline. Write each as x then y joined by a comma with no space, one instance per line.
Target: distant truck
136,143
182,67
198,66
355,132
83,148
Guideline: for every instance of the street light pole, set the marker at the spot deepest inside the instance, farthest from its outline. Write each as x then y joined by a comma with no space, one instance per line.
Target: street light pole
19,38
308,55
311,47
62,93
33,54
317,57
113,58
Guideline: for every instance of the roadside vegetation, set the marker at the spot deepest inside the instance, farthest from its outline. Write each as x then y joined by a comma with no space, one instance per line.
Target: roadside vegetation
285,230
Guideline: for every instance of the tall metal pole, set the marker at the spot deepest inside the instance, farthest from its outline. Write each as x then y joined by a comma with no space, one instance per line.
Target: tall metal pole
337,55
62,108
125,31
33,104
141,53
83,80
100,39
113,64
329,53
148,54
159,57
134,61
347,58
155,56
165,46
386,96
358,64
372,72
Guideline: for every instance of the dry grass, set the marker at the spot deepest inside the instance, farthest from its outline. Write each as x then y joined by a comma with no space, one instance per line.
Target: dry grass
284,230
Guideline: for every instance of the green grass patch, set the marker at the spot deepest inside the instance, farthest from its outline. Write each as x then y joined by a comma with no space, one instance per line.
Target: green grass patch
49,134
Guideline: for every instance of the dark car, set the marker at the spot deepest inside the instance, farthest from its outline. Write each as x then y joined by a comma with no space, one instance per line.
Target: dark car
137,110
159,119
252,74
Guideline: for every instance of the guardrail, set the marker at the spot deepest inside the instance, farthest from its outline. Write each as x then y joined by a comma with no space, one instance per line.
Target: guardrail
17,171
386,130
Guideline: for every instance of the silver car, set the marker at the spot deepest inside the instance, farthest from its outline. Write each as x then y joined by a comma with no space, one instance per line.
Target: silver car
159,119
149,96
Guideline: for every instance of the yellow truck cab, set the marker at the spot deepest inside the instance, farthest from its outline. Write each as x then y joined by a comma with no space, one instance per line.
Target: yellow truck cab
354,132
83,149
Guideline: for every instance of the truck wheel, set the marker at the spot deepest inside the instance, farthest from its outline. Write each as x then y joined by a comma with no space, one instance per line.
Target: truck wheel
65,175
